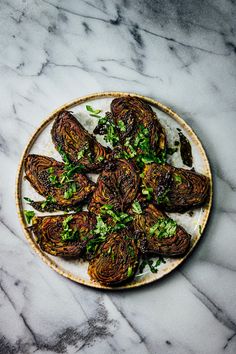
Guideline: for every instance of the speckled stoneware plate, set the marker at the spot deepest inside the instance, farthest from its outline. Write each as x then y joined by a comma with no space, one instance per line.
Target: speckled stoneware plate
41,143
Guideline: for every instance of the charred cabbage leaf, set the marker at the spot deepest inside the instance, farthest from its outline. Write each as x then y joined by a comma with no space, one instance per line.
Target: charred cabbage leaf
64,235
160,234
117,186
72,139
175,189
50,179
116,260
140,132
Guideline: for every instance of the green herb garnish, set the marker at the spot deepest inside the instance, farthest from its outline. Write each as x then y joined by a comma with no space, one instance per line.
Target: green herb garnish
83,151
64,156
69,234
28,200
121,126
136,207
178,178
147,191
120,218
29,214
153,266
102,229
49,200
163,228
50,170
70,190
93,111
129,272
111,136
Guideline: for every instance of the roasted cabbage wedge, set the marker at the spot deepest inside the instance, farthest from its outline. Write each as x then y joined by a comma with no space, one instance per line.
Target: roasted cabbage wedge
49,178
159,234
64,235
81,147
117,186
131,115
175,189
116,260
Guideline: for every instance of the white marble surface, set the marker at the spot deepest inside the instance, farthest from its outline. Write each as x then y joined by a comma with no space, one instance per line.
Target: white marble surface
182,53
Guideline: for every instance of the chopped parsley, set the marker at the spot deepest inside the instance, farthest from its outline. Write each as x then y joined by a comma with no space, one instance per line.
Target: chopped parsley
121,126
147,191
49,200
28,200
69,234
111,135
153,265
53,178
129,272
141,142
70,190
102,229
64,156
178,178
29,214
136,207
85,151
93,112
67,176
51,170
163,228
120,219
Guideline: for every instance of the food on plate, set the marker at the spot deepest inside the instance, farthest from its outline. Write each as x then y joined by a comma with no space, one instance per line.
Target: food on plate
116,260
64,235
185,149
175,189
72,139
126,217
160,234
61,185
117,186
135,113
140,132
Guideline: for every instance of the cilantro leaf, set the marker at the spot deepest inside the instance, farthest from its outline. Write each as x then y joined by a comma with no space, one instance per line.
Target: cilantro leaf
29,214
92,110
136,207
121,126
163,228
69,234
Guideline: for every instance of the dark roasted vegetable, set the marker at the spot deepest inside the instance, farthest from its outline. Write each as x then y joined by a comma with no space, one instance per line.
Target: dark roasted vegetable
64,235
185,149
117,186
71,138
49,178
116,261
138,127
175,189
160,234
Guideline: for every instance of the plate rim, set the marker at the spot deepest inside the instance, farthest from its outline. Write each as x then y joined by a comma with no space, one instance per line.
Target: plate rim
18,195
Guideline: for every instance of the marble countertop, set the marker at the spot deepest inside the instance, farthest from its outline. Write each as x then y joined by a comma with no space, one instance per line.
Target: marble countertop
182,53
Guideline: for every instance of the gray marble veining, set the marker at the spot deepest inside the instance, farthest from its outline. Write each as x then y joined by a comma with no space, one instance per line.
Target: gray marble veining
182,53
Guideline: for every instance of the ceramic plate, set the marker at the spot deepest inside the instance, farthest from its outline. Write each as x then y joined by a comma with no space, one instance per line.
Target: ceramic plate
41,143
